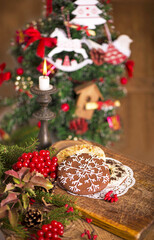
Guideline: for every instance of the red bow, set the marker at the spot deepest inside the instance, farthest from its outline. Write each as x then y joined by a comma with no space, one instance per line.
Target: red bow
130,67
48,7
35,35
83,28
4,76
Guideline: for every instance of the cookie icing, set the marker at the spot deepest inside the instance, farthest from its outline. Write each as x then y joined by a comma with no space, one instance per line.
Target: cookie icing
83,173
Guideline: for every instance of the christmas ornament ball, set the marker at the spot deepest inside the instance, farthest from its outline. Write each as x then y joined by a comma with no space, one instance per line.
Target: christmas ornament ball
19,71
123,80
65,107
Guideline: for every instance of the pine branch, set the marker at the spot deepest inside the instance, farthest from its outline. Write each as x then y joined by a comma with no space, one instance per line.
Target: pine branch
61,215
60,200
9,154
18,231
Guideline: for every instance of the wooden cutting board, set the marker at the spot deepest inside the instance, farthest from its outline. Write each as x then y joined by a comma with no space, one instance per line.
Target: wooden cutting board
133,214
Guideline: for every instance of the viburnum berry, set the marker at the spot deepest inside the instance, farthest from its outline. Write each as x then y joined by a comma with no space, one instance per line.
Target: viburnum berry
48,162
43,164
30,155
88,220
54,223
60,232
52,168
42,153
31,164
54,235
47,153
53,175
40,158
24,156
25,164
45,228
54,229
110,197
19,164
35,154
38,161
47,158
49,226
54,159
38,165
40,233
55,164
41,238
48,234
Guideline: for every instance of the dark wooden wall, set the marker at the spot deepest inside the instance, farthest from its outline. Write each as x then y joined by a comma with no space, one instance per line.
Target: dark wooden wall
132,17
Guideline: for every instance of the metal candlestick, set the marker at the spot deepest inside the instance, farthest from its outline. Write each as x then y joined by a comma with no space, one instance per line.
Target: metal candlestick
44,114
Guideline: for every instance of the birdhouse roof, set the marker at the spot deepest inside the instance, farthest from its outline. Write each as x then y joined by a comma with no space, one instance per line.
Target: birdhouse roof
87,88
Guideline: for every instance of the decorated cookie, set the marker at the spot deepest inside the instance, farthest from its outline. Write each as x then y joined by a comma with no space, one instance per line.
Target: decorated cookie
118,172
83,174
84,148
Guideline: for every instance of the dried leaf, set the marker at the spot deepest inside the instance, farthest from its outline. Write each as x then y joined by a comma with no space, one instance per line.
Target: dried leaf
29,190
22,172
17,181
12,197
42,182
25,200
13,217
9,187
20,185
12,173
27,177
3,211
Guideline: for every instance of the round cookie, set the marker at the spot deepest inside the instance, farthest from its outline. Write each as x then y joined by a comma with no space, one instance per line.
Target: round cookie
118,172
83,174
83,148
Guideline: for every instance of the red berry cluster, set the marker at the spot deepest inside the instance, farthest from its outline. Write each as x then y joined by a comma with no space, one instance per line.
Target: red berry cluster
38,161
90,236
110,197
51,231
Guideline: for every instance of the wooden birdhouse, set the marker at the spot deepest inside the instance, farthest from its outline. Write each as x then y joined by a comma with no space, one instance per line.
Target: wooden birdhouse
88,92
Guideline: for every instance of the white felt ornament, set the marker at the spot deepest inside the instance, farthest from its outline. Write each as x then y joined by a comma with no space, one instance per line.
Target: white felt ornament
87,14
68,45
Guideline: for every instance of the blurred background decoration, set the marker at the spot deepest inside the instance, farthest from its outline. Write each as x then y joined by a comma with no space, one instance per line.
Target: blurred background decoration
133,18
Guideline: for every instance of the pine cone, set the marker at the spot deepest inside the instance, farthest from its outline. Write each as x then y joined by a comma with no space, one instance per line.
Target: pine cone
32,218
97,55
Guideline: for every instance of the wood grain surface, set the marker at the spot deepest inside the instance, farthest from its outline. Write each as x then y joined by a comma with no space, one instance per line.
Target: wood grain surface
130,217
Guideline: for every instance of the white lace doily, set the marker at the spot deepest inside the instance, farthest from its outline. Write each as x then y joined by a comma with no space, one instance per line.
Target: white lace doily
119,190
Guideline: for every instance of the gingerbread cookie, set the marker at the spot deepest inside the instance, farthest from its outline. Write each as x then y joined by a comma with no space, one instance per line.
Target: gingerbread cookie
83,174
84,148
118,172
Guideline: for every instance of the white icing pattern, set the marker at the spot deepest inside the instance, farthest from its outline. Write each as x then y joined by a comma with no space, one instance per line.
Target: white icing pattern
85,171
119,190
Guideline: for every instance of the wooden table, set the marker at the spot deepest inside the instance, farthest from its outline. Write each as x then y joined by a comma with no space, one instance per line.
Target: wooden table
131,217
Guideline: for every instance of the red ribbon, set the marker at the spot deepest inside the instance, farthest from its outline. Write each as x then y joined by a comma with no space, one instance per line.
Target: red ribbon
48,7
130,67
4,76
35,35
85,28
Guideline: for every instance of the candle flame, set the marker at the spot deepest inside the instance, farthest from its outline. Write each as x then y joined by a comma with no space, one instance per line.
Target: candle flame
45,67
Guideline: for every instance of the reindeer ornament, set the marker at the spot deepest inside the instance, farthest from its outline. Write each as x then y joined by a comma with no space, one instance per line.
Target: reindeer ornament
69,45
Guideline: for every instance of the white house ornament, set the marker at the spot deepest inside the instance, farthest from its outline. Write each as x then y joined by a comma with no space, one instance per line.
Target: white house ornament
68,45
87,14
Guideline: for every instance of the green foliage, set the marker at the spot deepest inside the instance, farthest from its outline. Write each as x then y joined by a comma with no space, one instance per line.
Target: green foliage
66,82
9,154
17,231
61,215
